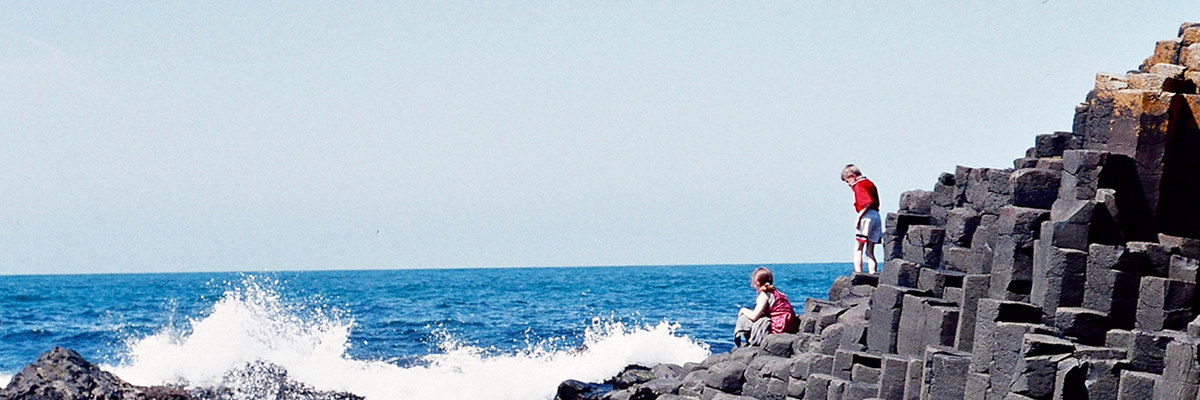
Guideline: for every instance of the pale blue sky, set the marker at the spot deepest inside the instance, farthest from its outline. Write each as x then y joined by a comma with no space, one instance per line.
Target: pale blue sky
196,136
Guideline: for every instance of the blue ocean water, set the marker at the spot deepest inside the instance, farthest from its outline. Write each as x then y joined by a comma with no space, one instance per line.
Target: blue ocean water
506,333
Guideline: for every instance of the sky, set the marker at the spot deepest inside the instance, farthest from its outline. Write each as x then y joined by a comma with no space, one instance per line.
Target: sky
250,136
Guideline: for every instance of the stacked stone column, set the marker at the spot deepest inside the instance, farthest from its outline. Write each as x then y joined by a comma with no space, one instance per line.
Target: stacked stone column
1070,275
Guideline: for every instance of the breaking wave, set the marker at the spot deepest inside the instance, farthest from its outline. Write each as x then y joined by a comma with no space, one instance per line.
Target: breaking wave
252,324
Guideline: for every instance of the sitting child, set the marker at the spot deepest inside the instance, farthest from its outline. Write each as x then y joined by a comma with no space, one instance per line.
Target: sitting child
772,303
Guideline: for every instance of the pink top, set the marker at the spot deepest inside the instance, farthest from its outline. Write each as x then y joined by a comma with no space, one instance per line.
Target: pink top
783,317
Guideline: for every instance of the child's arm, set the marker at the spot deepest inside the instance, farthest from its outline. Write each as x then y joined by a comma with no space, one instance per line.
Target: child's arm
760,308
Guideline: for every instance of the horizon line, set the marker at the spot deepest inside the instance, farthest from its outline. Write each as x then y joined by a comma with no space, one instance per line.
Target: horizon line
354,269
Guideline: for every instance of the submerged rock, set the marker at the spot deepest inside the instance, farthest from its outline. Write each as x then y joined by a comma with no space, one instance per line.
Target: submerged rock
263,380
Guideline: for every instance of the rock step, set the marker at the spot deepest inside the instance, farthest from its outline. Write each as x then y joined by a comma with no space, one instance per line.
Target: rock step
1072,273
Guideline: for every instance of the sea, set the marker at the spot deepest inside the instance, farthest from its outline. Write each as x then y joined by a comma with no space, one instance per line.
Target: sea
482,333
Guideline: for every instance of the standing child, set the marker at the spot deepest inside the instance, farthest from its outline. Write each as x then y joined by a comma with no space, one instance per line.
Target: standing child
867,223
772,312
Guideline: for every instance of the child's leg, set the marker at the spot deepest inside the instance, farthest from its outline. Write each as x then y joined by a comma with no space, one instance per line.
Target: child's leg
872,265
858,256
741,330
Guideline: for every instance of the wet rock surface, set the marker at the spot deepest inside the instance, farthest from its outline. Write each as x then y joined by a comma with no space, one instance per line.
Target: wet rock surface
62,374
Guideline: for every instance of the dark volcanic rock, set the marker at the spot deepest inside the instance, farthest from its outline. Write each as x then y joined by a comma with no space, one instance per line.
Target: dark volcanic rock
633,375
262,380
1072,275
64,374
575,390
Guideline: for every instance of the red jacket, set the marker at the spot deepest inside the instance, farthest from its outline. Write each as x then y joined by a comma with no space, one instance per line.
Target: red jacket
865,195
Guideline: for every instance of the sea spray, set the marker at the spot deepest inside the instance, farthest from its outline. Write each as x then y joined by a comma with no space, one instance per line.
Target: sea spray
468,372
253,323
247,324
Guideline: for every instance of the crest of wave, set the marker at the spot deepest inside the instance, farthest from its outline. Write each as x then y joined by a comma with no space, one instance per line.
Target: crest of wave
246,325
462,371
252,325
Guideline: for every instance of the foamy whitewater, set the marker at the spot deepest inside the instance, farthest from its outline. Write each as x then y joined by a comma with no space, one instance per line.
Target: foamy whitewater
410,334
252,324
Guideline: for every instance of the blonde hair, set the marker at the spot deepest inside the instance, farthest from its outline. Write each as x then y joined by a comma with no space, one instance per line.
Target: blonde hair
851,170
762,278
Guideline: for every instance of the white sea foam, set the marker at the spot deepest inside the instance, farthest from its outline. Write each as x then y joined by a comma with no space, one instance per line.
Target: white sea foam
252,323
5,379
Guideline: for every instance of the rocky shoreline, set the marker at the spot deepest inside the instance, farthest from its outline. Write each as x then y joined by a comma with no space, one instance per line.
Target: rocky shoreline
62,374
1071,275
